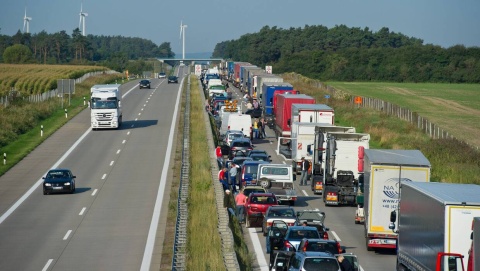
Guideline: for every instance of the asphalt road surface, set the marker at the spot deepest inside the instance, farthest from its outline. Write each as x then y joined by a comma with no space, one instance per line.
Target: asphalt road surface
111,221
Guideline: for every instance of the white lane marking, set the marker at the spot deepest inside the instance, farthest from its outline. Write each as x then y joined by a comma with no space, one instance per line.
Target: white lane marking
147,254
262,262
145,105
361,269
67,234
123,142
284,162
111,163
128,133
147,101
49,262
94,192
305,193
83,209
139,114
336,236
104,176
136,119
40,181
118,151
141,109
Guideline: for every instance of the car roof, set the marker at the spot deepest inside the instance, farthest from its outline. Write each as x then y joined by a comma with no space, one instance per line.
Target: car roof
261,194
317,254
310,240
299,228
242,139
281,207
251,162
59,169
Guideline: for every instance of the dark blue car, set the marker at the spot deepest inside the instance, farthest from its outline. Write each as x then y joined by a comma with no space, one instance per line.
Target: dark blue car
249,172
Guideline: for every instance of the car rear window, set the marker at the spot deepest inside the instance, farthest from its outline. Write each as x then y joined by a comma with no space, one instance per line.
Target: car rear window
322,247
241,144
251,169
327,264
300,234
263,200
274,171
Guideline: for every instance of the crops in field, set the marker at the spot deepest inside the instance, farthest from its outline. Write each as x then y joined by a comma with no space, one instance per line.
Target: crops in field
454,107
35,79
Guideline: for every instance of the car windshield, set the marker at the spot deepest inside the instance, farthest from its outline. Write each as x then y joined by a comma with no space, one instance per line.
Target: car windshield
172,77
282,212
259,158
327,264
251,169
144,81
234,136
58,174
247,192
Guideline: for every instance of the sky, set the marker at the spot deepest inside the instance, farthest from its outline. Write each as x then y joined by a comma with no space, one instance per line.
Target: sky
440,22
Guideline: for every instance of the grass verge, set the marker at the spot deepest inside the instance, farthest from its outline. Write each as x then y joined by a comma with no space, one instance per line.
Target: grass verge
452,161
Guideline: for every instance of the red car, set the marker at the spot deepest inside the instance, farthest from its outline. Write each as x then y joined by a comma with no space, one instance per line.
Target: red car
256,207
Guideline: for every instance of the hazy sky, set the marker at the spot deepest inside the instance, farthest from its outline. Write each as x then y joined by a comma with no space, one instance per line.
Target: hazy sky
440,22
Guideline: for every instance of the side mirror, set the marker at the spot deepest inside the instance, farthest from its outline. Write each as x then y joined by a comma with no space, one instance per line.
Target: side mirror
289,122
393,216
74,177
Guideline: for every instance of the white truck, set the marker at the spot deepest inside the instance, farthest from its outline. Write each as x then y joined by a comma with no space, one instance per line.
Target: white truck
314,113
342,159
384,171
434,222
474,252
278,179
319,154
240,122
105,106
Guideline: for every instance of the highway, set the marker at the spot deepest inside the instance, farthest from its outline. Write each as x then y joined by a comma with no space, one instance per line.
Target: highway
339,219
111,221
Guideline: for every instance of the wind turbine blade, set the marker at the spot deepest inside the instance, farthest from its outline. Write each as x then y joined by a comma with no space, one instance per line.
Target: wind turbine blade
24,23
80,22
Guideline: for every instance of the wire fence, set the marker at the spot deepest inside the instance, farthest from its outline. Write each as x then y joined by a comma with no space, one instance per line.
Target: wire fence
54,93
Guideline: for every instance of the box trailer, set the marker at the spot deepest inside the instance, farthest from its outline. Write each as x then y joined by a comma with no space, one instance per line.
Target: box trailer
252,83
435,218
262,79
283,113
474,252
237,76
384,170
244,70
319,113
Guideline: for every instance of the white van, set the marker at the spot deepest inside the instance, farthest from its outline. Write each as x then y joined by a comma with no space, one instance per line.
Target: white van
240,122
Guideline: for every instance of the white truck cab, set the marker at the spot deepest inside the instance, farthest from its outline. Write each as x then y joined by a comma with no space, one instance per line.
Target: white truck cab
105,106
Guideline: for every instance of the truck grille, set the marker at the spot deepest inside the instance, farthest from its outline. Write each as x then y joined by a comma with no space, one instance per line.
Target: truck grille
104,116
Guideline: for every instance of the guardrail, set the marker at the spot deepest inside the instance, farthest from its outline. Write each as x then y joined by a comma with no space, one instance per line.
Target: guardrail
179,261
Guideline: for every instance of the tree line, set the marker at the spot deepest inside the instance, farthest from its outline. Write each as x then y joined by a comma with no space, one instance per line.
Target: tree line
346,53
114,52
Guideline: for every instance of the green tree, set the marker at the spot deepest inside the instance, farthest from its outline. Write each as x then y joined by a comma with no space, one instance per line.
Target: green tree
17,54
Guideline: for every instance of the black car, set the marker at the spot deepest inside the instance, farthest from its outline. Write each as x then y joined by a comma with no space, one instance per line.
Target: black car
239,147
172,79
59,181
144,84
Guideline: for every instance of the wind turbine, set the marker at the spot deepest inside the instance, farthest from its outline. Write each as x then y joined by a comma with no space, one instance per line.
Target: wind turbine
182,34
26,22
81,24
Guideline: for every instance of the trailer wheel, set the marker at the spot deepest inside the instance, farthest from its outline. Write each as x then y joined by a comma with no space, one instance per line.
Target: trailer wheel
265,183
401,267
366,244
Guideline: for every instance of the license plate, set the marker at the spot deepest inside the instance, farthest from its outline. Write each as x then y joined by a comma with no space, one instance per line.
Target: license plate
58,187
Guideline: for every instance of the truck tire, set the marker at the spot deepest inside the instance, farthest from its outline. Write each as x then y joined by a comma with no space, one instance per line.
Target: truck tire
366,244
401,267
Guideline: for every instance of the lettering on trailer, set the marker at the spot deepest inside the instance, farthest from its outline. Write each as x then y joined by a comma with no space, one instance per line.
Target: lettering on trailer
299,146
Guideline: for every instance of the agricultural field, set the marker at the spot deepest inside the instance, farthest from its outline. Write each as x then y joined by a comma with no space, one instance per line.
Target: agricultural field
454,107
36,79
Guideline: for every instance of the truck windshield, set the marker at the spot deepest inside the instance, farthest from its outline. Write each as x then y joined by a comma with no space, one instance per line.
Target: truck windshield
103,104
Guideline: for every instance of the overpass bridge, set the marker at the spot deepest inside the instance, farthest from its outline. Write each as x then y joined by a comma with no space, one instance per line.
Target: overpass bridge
188,61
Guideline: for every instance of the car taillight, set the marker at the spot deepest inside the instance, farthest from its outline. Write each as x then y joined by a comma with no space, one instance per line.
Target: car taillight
243,173
325,235
339,248
287,245
250,148
269,224
233,148
228,127
305,246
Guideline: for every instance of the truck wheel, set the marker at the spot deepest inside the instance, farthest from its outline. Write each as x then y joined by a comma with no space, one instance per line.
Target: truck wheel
401,267
366,244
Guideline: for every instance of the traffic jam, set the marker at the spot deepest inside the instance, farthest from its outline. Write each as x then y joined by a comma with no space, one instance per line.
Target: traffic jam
275,143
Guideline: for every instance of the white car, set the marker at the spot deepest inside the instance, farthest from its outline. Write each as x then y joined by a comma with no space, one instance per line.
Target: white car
162,75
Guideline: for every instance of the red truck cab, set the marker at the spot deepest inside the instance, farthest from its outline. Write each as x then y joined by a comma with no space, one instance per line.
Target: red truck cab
256,207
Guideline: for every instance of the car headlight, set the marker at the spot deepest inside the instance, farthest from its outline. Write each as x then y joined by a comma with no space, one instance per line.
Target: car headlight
48,184
67,183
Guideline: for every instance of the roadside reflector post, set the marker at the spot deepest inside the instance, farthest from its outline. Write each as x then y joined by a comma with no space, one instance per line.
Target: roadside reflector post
84,101
66,115
4,158
41,130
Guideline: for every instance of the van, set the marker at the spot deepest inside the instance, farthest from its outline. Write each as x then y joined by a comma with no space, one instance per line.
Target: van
240,122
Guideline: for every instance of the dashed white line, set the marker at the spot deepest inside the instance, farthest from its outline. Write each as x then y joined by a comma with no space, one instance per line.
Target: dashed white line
123,142
94,192
67,234
128,133
136,119
118,151
305,193
111,163
104,176
284,162
336,236
145,105
141,109
49,262
139,114
83,210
